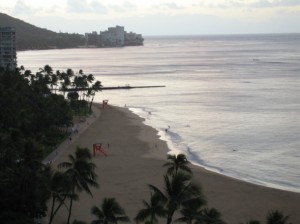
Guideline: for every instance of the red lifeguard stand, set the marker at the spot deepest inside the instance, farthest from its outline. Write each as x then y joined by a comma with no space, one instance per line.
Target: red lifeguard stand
105,104
98,147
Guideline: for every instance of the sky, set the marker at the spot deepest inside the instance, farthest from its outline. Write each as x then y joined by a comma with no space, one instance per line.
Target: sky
160,17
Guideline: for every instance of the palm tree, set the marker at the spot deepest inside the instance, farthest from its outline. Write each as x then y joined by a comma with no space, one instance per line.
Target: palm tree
253,222
210,216
81,172
47,69
276,217
152,210
95,88
178,190
90,78
110,212
69,73
191,210
48,76
53,81
78,222
60,186
177,162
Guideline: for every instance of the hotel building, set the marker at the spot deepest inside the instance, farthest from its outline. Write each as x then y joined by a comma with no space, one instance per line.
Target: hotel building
8,55
113,37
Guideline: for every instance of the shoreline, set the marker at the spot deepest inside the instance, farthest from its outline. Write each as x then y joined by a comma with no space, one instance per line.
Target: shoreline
196,161
135,159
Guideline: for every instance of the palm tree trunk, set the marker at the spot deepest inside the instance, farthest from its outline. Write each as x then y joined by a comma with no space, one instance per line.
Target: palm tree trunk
91,103
170,216
70,208
52,209
169,220
56,210
152,219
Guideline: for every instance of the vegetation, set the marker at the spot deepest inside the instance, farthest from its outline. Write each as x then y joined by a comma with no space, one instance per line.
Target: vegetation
33,121
109,212
177,162
152,211
80,170
60,186
180,195
273,217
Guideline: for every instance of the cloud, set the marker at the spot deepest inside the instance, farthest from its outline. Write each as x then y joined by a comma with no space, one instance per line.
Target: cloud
128,5
171,5
278,3
84,6
245,4
97,7
22,8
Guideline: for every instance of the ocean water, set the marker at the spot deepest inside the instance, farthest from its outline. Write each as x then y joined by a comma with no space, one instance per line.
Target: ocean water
231,103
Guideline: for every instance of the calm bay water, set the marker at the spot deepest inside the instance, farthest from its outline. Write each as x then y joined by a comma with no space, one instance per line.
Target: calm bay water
232,102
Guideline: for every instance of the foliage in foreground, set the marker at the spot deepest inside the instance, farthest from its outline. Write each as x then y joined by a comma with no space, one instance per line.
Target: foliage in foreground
180,195
33,121
80,171
109,212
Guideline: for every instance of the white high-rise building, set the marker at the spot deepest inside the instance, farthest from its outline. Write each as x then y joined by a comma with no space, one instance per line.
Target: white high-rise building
114,36
8,55
120,35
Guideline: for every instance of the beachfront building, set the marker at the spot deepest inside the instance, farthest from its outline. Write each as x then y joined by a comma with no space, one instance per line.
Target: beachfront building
8,55
92,39
113,37
133,39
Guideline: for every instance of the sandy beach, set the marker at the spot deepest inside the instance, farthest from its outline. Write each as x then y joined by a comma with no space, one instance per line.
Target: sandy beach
135,159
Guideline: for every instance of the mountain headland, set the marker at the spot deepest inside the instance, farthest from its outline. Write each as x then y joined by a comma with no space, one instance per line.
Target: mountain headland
30,37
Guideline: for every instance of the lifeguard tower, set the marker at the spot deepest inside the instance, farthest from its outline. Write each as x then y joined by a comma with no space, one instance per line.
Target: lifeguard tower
98,147
105,104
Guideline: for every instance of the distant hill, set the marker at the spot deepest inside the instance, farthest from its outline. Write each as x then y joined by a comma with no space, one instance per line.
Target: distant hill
32,37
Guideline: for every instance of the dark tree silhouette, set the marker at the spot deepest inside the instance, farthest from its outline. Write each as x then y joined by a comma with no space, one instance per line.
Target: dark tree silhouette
277,217
178,190
110,212
154,209
81,171
176,163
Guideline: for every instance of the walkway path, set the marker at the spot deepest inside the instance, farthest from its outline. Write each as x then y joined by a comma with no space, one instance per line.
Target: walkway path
81,127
